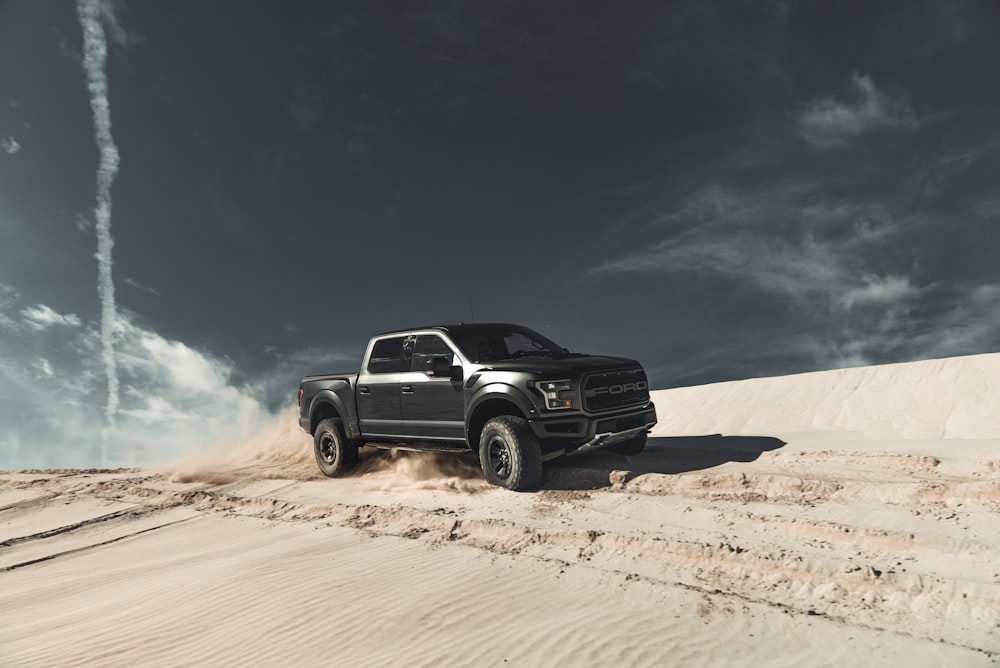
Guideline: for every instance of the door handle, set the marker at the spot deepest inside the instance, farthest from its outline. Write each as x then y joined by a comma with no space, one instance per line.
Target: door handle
364,389
406,389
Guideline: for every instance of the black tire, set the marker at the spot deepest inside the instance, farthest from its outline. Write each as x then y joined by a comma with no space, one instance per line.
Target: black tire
632,446
334,454
510,454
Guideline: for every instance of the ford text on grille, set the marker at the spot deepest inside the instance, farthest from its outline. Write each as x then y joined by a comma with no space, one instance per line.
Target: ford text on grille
619,389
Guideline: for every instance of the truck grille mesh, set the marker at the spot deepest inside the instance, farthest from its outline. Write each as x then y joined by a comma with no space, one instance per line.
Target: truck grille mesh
615,389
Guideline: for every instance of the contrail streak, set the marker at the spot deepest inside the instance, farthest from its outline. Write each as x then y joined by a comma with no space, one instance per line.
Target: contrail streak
95,51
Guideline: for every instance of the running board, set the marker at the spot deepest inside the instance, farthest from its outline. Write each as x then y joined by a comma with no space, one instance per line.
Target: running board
430,447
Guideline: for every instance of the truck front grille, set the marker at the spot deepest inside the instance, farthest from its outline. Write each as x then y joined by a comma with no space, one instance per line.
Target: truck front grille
615,389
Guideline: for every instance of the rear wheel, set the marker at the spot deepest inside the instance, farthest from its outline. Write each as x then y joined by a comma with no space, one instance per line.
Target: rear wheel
632,446
510,454
334,454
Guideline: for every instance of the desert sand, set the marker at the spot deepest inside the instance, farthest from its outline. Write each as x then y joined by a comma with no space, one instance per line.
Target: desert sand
837,518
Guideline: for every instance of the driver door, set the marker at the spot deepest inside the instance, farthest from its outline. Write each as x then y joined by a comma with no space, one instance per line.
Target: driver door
433,407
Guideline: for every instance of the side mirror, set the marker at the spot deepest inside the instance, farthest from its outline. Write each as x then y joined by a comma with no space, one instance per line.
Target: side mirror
440,366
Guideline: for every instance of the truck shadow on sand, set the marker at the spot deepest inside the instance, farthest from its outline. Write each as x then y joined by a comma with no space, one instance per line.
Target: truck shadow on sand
665,455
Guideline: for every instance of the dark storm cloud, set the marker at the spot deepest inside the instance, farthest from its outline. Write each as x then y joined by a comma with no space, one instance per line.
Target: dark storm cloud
844,240
306,108
720,189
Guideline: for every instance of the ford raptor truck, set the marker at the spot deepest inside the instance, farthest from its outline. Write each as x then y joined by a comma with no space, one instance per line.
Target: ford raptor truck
503,391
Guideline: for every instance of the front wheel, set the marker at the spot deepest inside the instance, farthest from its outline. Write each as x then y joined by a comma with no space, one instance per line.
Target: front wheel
510,454
334,454
632,446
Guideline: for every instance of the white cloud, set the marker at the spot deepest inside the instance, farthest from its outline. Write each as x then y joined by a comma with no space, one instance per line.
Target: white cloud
276,386
95,51
830,122
183,367
851,352
793,245
10,145
773,265
765,238
44,367
40,317
109,15
8,296
160,411
82,222
175,399
880,289
139,286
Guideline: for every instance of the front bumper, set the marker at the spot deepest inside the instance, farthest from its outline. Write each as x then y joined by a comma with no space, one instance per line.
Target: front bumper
578,433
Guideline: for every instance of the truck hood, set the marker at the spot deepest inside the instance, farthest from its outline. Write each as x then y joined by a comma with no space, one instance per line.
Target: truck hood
573,366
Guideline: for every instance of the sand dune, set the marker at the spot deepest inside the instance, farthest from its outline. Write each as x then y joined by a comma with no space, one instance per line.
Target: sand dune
839,518
953,398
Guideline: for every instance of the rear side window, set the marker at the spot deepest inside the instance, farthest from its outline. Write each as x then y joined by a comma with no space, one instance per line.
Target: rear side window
387,356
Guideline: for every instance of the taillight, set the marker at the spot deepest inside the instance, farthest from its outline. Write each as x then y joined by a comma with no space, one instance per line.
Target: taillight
301,392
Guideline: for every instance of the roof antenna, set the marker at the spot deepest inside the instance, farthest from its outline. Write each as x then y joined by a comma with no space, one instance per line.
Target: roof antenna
472,314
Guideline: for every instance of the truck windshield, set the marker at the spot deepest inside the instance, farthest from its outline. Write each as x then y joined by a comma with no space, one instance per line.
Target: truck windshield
501,343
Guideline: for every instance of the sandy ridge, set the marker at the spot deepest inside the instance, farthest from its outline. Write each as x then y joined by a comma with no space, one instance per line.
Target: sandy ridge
759,565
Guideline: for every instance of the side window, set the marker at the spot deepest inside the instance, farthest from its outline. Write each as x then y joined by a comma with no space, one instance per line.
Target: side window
426,348
387,356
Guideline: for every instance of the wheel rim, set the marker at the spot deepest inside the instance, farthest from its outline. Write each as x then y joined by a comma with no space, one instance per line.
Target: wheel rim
499,457
327,449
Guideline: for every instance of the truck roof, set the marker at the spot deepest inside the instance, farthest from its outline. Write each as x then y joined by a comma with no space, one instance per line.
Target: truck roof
456,328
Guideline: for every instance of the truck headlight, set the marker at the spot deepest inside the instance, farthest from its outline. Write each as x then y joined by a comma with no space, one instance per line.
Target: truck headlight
558,394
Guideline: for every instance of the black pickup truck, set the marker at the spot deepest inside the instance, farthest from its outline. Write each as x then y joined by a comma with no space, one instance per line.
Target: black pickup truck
501,390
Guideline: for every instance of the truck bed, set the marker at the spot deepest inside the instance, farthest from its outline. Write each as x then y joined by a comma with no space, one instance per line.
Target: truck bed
351,378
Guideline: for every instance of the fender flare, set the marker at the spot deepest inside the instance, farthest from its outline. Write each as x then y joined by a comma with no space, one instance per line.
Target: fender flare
329,397
506,392
509,394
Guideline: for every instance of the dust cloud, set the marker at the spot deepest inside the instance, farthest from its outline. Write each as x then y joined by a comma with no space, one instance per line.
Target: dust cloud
281,450
393,470
277,449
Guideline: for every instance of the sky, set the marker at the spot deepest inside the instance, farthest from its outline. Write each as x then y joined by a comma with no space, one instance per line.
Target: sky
201,202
